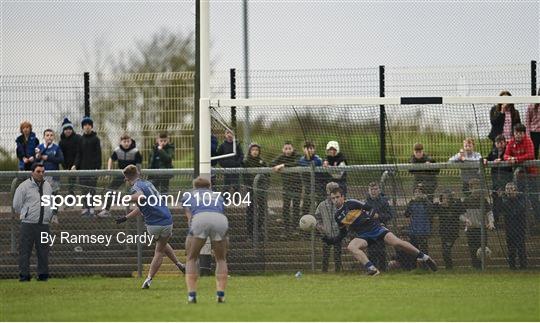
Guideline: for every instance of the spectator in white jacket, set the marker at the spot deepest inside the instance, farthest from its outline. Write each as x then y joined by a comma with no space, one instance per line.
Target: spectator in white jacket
467,155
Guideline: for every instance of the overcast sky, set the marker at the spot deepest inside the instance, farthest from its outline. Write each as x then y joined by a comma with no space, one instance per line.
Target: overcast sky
44,37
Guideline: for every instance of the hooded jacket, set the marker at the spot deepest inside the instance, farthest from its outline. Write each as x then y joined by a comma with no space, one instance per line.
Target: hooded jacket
69,146
125,157
251,162
522,151
230,162
27,201
162,158
54,156
89,152
26,148
420,212
382,207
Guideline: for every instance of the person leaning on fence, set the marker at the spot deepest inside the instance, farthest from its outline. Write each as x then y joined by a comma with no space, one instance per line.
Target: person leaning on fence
420,211
35,219
384,214
427,177
69,143
89,158
231,182
519,150
334,157
473,218
329,229
311,159
125,154
533,125
161,157
503,117
291,190
515,222
258,206
500,175
467,155
27,143
449,208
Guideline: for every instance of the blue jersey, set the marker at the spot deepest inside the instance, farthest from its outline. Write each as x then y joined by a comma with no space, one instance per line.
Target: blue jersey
356,217
203,200
153,208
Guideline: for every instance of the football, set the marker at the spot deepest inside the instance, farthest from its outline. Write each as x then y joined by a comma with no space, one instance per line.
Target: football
307,222
479,253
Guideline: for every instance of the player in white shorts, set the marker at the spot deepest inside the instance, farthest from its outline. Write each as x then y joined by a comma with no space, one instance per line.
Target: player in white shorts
205,212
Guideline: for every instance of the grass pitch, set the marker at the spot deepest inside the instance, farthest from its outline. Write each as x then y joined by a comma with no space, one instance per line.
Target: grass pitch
495,296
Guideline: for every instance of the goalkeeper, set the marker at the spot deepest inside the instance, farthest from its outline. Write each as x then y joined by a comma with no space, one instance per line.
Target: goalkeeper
358,219
158,220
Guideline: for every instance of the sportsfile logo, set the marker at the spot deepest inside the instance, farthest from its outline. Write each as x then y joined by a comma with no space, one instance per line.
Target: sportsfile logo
184,199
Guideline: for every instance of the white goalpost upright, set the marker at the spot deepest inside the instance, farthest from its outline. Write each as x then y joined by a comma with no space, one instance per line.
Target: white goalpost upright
204,101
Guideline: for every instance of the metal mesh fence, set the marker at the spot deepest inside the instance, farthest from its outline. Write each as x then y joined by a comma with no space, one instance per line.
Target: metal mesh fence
451,223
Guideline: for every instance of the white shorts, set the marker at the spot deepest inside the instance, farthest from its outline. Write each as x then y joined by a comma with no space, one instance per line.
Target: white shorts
159,231
209,224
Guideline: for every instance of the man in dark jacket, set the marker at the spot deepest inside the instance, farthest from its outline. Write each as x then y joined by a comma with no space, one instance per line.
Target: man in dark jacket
161,158
35,218
69,143
449,209
428,177
257,207
231,182
515,220
88,157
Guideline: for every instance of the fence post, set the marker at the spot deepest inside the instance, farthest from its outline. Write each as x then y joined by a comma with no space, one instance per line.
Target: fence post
312,209
233,96
483,236
382,117
86,93
139,248
13,240
533,78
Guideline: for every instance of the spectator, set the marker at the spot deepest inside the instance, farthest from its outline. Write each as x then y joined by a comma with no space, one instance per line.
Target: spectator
258,206
27,143
328,227
473,218
420,211
161,158
334,157
500,175
69,143
125,154
428,177
467,155
519,150
533,125
231,182
88,157
291,191
449,208
310,159
35,218
503,118
515,221
384,213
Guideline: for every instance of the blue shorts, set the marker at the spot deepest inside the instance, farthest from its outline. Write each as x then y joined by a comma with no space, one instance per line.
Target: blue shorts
373,235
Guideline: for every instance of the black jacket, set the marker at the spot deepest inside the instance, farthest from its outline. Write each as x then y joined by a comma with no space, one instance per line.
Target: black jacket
125,157
497,122
162,158
251,162
230,162
499,175
289,161
69,146
89,152
449,221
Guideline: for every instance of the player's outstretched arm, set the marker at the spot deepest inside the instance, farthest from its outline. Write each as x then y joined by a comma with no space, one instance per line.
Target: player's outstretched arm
132,214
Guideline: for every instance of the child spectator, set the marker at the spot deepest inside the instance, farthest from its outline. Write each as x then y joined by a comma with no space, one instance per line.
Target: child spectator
51,156
467,155
69,143
259,205
334,157
428,177
519,150
473,218
231,182
420,211
449,209
125,154
88,157
384,214
27,143
515,221
329,229
161,158
503,119
533,125
291,191
310,159
500,175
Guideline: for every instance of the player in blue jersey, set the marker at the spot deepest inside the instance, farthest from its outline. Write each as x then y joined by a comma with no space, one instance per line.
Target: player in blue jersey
204,210
360,220
157,218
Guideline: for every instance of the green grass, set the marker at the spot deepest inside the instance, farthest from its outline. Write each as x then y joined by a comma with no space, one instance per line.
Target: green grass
496,296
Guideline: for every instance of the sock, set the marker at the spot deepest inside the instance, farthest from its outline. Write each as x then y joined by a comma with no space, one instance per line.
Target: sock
148,278
422,256
179,265
192,296
220,293
369,265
